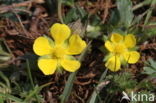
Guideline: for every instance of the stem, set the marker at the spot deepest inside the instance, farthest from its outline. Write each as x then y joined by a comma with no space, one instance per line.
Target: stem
69,85
36,90
146,2
8,49
30,77
5,79
29,73
149,12
11,97
94,96
60,10
103,75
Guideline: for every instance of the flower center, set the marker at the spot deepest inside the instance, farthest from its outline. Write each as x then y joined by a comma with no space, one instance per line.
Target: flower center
58,52
119,48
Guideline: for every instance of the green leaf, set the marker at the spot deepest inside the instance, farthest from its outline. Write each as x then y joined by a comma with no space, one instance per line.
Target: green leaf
74,14
125,11
93,31
149,70
125,81
153,63
36,90
3,76
149,12
5,53
8,96
114,18
150,30
68,2
70,18
95,20
93,35
68,87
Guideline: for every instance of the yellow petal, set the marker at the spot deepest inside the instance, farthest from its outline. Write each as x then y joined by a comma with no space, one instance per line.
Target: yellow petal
116,38
47,66
60,32
130,41
132,57
42,46
70,65
76,45
113,64
109,46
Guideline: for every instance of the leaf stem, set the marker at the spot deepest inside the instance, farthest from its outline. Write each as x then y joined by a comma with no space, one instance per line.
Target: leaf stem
94,95
30,77
36,90
149,13
60,11
8,96
145,2
29,73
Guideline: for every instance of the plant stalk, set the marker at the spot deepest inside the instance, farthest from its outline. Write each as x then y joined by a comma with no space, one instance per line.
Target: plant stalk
60,11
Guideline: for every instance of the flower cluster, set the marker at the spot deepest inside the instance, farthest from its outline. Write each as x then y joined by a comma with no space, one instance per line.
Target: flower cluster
121,51
58,52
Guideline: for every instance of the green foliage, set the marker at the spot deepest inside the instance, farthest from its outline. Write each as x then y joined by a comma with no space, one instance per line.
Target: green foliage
5,54
114,18
26,91
150,31
125,81
121,82
93,31
145,84
76,12
94,28
149,12
68,2
150,68
95,20
125,11
94,97
68,88
121,18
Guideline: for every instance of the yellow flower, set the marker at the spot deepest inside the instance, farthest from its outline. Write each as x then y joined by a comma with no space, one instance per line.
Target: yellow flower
120,48
58,53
